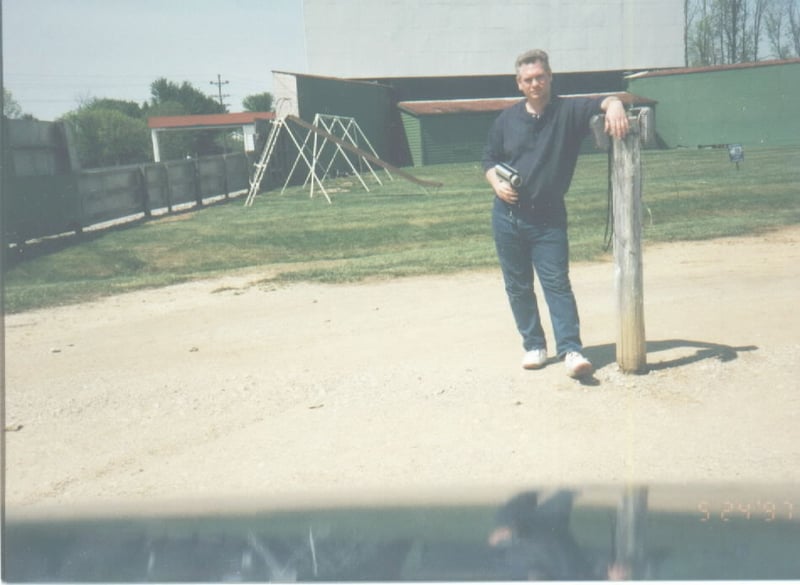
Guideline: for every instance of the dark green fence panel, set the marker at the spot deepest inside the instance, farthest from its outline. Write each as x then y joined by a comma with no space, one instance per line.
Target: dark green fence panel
211,177
110,194
156,187
34,207
237,169
182,182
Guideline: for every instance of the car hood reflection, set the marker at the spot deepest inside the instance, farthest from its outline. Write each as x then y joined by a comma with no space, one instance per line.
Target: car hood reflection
547,533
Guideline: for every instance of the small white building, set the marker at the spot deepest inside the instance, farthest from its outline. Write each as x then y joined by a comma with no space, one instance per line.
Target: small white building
244,120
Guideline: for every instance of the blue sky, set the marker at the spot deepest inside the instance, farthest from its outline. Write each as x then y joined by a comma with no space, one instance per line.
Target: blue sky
57,53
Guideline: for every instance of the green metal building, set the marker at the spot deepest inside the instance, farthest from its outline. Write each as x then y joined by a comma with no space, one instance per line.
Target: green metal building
449,131
421,120
748,104
372,105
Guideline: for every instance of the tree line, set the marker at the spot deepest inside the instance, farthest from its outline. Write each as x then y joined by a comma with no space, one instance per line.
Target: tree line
719,32
111,132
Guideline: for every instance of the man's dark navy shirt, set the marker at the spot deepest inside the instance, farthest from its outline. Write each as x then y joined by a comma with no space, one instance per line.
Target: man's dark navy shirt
543,150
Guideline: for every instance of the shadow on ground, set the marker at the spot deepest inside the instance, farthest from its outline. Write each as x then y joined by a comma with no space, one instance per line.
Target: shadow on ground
681,352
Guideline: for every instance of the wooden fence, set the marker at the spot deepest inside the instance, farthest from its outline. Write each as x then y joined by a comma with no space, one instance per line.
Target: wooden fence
44,195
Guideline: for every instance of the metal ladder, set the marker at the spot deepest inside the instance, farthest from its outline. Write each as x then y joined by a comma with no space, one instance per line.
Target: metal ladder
263,162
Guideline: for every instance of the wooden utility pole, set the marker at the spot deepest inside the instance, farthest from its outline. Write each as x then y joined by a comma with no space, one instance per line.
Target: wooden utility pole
219,83
626,185
630,533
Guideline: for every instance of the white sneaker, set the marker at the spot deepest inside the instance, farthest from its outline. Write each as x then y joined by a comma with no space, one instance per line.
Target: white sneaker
534,359
577,365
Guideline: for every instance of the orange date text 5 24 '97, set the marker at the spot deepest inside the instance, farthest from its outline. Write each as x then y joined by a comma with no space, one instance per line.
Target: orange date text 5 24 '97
754,510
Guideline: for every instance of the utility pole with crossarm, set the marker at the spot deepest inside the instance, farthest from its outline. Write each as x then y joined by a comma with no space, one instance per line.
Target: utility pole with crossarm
219,83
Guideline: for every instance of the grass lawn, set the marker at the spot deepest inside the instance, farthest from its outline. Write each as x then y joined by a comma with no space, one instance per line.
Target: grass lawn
398,229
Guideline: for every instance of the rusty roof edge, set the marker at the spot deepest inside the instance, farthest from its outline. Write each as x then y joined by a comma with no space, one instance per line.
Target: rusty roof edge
189,120
477,105
430,107
712,68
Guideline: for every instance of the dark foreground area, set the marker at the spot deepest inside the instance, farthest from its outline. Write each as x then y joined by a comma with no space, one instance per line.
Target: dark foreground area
650,533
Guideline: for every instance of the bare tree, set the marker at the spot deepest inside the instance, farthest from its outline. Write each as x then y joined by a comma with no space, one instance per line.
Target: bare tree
780,25
733,31
757,26
774,26
732,17
687,25
701,34
793,12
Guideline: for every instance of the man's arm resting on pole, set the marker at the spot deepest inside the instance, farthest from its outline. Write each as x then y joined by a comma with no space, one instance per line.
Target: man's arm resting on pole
616,117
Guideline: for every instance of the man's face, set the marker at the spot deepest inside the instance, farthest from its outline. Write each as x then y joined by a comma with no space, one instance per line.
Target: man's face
533,81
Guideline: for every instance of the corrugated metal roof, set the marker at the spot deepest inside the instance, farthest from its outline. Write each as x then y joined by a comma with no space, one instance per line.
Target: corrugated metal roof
712,68
206,120
434,107
369,81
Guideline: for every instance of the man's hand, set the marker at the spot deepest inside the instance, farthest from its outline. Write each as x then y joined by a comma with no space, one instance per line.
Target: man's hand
616,117
502,189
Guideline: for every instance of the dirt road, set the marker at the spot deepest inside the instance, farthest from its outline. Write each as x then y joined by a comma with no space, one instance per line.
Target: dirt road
226,389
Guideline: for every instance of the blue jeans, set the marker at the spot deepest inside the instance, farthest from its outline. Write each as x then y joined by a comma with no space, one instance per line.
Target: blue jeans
524,245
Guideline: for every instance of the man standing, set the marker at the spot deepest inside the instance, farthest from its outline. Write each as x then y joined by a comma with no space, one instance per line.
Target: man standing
540,138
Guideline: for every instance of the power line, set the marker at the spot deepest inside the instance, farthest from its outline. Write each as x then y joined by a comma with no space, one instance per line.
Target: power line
219,83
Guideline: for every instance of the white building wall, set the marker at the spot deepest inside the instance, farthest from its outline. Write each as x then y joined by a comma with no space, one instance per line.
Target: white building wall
284,91
418,38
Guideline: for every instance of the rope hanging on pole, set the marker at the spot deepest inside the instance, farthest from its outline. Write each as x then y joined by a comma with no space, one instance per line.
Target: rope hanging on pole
608,236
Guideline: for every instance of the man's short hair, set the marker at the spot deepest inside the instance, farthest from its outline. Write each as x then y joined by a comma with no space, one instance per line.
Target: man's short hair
533,56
